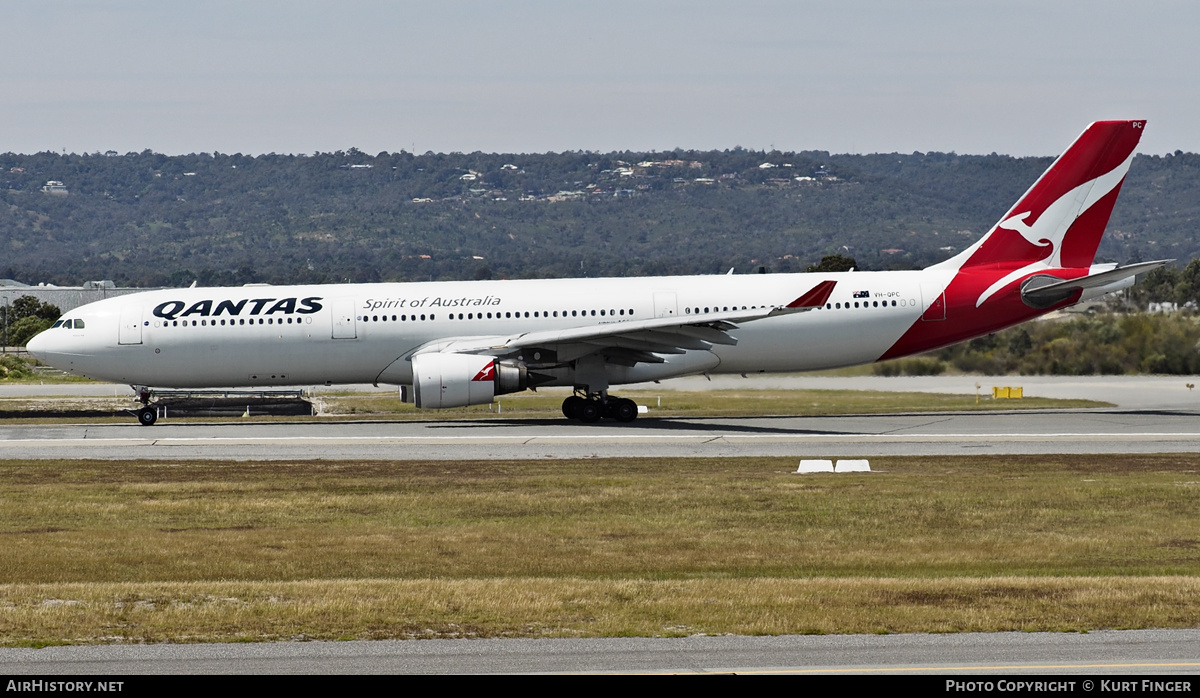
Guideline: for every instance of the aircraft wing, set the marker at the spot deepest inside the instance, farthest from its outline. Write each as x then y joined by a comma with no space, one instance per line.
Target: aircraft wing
630,341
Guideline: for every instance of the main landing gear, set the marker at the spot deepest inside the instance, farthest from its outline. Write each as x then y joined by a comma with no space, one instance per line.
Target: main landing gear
594,407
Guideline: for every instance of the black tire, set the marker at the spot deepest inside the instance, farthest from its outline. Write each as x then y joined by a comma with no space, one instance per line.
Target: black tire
589,411
624,410
570,406
147,416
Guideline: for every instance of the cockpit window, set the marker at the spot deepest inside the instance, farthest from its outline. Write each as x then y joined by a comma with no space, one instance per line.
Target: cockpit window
78,324
56,324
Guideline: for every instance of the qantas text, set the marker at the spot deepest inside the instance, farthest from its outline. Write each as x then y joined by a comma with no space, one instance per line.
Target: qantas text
254,306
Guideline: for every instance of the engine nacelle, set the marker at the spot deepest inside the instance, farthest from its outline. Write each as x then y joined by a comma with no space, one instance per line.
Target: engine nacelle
458,380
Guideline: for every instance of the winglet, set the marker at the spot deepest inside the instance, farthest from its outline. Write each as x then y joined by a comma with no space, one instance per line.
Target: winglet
815,297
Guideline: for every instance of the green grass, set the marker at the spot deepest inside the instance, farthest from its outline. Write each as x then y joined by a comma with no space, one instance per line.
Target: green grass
202,551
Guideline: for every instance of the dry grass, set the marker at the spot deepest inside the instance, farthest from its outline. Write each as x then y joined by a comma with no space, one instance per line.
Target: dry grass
572,607
196,551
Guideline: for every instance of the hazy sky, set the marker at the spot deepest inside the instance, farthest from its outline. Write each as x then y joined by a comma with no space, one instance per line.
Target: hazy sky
849,76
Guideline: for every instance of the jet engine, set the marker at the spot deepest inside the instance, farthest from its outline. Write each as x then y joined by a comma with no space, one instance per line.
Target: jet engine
457,380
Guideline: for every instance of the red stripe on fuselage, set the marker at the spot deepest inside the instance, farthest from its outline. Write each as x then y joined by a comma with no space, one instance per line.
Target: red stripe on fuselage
965,321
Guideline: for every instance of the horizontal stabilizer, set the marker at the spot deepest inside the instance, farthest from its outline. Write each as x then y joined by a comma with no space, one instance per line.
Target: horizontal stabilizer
1042,289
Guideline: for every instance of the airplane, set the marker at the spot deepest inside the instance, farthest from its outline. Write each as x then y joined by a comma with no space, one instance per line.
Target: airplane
457,343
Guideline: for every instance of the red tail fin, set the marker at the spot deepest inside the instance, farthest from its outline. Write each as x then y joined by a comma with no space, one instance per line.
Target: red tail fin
1062,217
1052,232
1058,223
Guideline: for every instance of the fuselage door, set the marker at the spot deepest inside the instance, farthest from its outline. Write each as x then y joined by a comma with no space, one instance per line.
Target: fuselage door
665,304
130,331
935,298
344,325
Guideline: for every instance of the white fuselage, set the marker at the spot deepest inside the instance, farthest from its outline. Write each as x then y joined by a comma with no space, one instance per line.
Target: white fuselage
356,333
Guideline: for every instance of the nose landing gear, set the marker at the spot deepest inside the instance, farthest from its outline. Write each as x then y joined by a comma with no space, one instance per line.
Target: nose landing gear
147,415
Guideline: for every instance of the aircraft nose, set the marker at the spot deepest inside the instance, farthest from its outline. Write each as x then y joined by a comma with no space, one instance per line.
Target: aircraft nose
39,346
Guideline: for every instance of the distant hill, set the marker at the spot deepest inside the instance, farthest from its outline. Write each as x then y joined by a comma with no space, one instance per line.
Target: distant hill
147,219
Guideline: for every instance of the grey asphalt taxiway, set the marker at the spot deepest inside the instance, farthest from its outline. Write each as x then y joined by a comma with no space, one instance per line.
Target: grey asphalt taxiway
1068,431
1139,652
1154,414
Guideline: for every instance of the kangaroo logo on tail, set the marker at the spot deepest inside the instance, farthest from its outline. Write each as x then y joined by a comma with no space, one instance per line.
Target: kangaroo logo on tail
1060,224
1017,224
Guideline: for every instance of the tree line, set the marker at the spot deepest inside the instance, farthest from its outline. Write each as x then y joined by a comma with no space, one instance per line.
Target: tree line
24,317
148,219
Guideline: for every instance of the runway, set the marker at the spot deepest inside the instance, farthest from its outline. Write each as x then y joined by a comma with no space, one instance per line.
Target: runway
1018,433
1128,652
1154,414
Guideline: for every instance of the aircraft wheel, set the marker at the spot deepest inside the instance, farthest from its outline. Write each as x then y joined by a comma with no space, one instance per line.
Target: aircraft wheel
571,406
589,411
147,416
625,410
